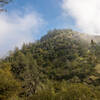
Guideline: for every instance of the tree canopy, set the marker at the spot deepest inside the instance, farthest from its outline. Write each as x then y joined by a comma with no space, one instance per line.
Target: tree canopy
59,66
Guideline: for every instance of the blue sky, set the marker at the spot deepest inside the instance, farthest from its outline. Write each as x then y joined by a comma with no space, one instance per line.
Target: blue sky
50,11
28,20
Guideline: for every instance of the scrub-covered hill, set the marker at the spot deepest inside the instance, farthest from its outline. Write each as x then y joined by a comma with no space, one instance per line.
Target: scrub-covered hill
61,64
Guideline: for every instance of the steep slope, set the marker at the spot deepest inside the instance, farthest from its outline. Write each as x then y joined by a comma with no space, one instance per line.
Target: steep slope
59,55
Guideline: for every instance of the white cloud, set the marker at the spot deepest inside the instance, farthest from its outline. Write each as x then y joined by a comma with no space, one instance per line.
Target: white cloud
18,27
86,14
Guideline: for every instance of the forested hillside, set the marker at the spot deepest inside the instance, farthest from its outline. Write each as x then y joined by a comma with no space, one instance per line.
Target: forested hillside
62,65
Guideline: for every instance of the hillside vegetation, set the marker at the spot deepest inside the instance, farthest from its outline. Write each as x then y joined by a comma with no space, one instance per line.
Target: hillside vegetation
62,65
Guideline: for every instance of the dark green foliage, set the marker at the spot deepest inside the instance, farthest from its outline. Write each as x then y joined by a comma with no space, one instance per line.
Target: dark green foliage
60,66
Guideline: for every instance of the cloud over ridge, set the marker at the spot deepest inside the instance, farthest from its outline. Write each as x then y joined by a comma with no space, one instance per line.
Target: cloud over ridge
86,14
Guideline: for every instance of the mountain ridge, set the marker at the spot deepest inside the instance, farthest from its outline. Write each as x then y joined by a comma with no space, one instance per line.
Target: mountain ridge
60,58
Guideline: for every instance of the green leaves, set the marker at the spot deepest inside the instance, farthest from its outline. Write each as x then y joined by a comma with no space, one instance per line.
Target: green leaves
61,55
65,91
8,85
